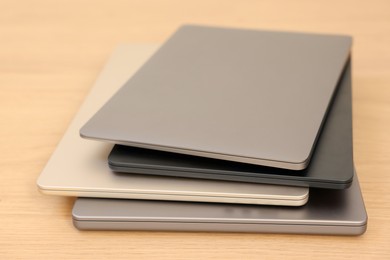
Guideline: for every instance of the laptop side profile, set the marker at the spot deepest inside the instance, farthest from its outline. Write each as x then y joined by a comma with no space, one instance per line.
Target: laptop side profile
330,212
256,97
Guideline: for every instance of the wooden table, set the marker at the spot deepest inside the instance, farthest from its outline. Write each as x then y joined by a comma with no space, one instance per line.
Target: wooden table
50,54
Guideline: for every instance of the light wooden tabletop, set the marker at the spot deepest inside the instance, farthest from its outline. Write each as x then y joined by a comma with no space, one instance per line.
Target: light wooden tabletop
50,54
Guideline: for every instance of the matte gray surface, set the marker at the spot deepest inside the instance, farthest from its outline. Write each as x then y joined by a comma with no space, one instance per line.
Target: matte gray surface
242,95
331,164
340,212
78,167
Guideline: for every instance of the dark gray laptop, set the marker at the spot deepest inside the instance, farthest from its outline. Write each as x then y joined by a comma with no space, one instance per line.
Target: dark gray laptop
249,96
331,165
336,212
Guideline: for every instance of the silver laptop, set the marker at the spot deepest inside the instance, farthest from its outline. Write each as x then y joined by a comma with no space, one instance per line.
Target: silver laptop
79,167
249,96
335,212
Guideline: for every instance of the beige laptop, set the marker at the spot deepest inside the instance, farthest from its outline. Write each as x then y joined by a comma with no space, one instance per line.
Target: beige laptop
250,96
78,167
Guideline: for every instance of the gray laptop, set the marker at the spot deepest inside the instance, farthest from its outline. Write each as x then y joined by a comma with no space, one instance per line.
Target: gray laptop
78,167
249,96
336,212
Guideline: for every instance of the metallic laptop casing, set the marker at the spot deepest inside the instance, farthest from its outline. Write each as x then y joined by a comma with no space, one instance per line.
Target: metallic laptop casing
330,212
78,167
249,96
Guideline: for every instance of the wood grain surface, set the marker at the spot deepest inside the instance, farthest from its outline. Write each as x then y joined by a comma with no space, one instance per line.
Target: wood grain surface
50,54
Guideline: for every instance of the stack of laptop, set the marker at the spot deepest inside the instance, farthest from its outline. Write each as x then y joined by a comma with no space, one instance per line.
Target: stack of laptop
217,130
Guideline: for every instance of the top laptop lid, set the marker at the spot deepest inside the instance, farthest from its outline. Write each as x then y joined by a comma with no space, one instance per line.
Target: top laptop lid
250,96
78,167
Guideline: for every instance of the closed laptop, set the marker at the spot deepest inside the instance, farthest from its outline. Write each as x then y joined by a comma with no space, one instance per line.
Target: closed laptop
257,97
